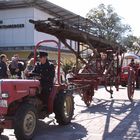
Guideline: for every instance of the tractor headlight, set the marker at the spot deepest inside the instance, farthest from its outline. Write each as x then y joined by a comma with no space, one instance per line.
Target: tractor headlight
5,95
3,103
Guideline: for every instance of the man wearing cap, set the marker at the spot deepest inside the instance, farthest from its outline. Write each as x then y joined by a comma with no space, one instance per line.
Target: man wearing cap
46,71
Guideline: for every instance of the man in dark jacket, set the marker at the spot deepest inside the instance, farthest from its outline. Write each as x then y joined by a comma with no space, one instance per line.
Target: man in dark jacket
3,67
46,71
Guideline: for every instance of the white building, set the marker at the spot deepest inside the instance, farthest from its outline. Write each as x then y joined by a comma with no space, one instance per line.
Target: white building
17,34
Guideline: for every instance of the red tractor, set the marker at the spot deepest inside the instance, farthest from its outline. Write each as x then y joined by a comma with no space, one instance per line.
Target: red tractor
130,78
20,107
125,75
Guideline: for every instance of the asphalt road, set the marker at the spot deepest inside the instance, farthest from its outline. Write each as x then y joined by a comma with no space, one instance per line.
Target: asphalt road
105,119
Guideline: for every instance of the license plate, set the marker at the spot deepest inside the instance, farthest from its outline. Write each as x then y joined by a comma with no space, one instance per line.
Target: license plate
126,72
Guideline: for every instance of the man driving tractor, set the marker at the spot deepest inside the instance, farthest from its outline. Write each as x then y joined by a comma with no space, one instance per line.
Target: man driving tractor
46,72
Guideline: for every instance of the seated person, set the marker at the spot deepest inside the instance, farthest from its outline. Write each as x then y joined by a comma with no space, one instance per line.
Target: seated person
132,64
46,71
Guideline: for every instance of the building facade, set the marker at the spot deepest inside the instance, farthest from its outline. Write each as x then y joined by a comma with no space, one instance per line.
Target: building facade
17,35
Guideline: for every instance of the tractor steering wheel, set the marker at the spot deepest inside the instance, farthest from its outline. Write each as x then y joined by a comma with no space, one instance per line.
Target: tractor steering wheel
35,75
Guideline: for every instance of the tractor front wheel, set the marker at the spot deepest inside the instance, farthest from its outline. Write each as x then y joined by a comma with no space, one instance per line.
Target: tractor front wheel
25,122
63,108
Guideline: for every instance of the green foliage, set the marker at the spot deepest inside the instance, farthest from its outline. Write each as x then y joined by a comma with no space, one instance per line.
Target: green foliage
132,43
107,24
67,66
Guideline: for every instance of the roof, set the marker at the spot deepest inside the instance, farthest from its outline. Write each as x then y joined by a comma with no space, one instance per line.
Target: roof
44,5
61,16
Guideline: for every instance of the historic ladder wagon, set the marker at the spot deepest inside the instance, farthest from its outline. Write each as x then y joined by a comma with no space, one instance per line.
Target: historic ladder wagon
101,60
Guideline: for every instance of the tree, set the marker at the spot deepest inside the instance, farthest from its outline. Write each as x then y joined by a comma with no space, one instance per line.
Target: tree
67,66
132,43
107,24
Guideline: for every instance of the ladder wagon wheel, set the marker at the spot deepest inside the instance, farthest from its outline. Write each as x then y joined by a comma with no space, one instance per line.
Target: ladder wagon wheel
131,84
87,97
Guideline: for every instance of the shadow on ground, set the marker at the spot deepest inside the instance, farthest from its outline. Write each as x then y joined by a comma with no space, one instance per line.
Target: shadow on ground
73,131
122,110
3,137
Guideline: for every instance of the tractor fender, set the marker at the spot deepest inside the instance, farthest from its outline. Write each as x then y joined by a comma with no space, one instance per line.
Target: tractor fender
55,90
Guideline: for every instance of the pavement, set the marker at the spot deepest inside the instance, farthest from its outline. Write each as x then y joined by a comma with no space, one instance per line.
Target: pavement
105,119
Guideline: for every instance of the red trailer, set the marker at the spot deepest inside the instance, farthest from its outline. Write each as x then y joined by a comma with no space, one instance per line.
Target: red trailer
101,60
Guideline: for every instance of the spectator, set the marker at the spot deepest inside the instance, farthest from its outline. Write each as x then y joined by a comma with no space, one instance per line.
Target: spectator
3,67
29,68
69,75
74,70
62,74
16,67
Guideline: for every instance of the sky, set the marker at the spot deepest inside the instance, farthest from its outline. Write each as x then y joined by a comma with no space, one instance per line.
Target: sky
129,10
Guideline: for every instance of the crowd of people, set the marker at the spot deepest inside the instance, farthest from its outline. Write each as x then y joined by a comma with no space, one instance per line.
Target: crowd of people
17,69
44,69
12,68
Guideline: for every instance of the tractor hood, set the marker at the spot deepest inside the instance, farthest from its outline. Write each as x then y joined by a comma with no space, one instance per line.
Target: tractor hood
16,89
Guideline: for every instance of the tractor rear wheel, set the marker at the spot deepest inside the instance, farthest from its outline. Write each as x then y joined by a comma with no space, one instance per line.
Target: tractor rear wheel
63,108
25,122
131,85
123,84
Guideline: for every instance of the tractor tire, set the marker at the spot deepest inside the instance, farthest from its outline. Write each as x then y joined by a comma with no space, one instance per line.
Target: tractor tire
123,84
25,122
63,108
1,130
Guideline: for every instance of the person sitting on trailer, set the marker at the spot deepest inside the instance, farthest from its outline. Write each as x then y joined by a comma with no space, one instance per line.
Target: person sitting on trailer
132,64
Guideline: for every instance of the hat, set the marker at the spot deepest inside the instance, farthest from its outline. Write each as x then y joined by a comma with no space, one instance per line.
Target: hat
43,53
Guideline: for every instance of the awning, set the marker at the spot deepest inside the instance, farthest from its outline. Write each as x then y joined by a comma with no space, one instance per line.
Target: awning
131,56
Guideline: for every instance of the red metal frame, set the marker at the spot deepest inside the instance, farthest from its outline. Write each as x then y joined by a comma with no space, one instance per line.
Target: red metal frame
56,88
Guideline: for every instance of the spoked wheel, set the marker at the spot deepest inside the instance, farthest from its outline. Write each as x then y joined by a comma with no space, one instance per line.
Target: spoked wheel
131,85
87,97
25,122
